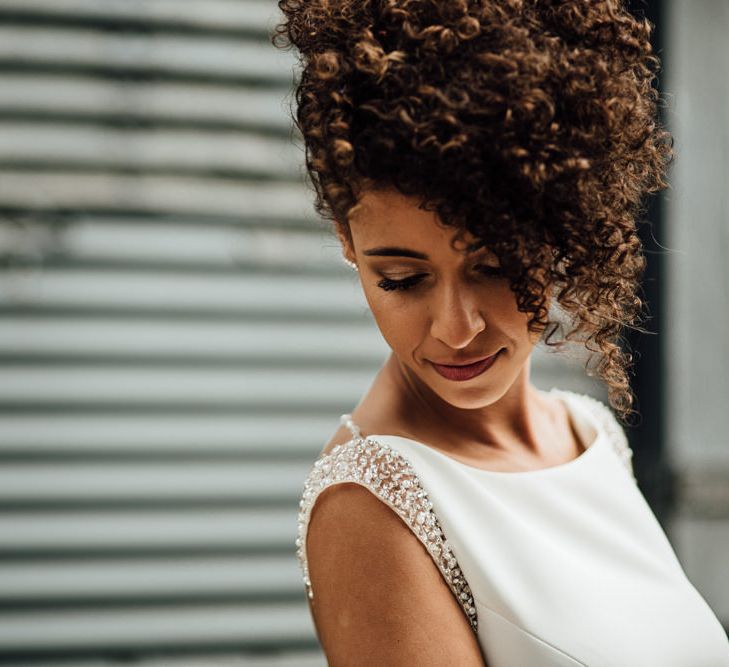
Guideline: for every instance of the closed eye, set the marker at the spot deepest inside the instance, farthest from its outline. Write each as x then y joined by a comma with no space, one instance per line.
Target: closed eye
390,284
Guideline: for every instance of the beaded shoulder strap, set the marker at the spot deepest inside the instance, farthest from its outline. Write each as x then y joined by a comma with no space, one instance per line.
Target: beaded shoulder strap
390,477
612,427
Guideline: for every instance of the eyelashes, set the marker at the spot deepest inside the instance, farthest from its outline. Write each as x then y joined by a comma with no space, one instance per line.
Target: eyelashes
388,284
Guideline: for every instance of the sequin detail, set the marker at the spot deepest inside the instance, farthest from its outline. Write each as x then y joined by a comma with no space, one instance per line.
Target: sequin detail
391,477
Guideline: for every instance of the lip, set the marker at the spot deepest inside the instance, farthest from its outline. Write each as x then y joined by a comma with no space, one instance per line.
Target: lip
463,372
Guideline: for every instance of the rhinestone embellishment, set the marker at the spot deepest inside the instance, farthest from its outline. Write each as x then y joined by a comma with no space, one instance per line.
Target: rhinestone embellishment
388,475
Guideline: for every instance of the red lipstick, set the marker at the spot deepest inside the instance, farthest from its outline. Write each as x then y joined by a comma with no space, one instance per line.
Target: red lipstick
466,372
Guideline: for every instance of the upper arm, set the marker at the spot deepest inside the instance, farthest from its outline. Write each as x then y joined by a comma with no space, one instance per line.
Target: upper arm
380,599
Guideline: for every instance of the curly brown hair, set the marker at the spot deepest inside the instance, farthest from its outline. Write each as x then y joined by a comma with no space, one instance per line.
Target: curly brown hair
530,124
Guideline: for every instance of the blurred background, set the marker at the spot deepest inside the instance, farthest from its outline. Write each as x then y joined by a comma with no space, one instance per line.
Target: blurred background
178,334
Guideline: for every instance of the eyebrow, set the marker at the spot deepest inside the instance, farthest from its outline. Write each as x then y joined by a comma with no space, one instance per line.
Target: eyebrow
394,251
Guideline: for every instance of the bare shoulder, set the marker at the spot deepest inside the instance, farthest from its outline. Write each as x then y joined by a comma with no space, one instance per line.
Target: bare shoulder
378,596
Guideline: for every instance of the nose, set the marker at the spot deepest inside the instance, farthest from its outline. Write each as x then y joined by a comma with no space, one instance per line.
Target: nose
456,317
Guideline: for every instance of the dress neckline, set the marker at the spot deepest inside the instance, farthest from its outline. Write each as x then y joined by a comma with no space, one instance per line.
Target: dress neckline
581,418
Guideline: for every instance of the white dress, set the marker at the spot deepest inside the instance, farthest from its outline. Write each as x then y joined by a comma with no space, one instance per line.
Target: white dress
556,567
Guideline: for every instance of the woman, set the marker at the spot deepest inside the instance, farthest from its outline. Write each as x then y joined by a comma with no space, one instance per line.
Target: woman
484,165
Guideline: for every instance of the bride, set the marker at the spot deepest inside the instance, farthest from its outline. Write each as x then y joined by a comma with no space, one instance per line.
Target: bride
484,165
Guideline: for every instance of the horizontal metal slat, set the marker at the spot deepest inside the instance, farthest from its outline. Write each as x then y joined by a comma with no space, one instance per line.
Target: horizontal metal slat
116,531
176,625
154,292
82,386
180,55
32,93
73,145
51,190
244,222
277,657
96,338
247,15
179,246
165,435
132,482
146,579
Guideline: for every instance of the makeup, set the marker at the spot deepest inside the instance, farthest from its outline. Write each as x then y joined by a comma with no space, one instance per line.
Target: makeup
461,373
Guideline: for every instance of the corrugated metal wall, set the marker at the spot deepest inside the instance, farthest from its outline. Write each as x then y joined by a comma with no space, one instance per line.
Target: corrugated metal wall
177,334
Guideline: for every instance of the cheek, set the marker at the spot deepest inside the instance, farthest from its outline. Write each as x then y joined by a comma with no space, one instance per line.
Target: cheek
398,318
502,304
512,321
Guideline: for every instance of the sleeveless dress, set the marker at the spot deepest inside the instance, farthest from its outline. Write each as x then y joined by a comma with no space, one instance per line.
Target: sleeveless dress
555,567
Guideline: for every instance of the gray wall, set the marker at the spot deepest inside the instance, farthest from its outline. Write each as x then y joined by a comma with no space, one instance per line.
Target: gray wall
697,290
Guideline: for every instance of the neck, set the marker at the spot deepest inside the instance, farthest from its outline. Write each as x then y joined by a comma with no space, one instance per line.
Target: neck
510,421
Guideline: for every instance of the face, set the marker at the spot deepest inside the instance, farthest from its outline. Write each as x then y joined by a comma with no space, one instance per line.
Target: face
435,304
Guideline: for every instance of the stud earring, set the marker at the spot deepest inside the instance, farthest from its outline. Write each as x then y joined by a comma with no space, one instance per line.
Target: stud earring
350,263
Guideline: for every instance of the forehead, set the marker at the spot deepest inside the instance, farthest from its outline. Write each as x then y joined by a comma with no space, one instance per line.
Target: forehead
380,206
386,215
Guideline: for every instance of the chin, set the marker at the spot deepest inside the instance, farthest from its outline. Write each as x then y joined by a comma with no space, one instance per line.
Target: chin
469,395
